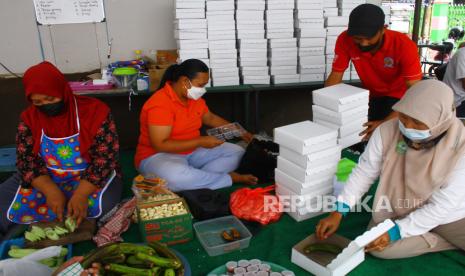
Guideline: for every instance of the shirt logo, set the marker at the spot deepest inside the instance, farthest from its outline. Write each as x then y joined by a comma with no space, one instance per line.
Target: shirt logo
388,62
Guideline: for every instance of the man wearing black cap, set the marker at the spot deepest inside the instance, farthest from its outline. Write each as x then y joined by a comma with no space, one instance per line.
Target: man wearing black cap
386,61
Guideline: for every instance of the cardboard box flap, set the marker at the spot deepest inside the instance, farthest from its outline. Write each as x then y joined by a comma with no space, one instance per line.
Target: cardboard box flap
360,242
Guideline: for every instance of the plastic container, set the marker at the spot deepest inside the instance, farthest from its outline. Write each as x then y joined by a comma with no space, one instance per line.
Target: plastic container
209,234
6,245
227,132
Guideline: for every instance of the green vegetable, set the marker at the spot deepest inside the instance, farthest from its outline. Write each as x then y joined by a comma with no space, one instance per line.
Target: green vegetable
50,262
99,253
133,260
30,236
70,224
129,248
115,259
60,230
323,247
51,234
159,261
39,232
128,270
169,272
20,252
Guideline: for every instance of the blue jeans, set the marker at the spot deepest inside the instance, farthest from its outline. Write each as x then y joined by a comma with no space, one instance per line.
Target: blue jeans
203,168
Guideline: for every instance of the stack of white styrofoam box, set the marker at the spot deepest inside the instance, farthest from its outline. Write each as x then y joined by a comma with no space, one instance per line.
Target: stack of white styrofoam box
353,73
346,6
308,160
253,52
190,30
387,14
311,39
279,16
222,42
344,108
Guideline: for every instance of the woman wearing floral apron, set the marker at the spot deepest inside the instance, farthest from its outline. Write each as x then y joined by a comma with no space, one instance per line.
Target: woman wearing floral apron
67,155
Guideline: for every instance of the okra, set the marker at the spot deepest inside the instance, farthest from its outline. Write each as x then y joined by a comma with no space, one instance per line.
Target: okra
323,247
129,248
99,253
169,272
159,261
122,269
115,259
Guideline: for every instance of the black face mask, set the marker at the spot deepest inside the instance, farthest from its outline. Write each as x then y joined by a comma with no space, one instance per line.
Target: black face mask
52,109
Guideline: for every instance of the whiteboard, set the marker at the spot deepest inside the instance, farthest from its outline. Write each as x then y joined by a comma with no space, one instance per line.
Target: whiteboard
50,12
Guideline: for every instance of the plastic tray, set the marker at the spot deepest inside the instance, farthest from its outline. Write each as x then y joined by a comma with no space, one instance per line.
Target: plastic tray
227,132
6,245
209,234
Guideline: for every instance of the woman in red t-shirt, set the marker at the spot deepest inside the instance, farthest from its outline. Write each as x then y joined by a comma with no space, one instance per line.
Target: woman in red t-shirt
170,145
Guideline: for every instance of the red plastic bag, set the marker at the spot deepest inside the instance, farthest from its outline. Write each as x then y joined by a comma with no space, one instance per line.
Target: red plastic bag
256,205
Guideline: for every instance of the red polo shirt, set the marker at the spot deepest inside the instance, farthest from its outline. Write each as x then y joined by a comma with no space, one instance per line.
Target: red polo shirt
165,108
385,72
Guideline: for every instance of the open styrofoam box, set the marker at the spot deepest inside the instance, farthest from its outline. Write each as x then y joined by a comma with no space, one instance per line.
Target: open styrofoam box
324,264
340,118
341,97
305,137
344,130
301,188
328,156
303,175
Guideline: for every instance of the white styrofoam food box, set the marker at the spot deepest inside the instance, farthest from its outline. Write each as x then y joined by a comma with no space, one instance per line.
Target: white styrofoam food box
305,176
305,137
310,197
340,118
189,4
311,51
347,129
189,13
312,77
256,79
251,5
352,255
328,156
301,188
341,97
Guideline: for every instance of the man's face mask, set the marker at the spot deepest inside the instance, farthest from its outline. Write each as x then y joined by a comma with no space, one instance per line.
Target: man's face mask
52,109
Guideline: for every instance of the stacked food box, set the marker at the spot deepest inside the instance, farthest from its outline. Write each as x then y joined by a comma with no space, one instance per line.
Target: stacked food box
253,52
222,42
310,31
190,30
343,108
307,162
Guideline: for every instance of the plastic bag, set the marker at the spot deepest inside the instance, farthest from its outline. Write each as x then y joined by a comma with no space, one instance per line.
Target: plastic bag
29,265
249,204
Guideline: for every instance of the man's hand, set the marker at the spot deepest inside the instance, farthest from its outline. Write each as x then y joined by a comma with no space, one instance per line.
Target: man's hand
370,127
56,201
327,226
379,244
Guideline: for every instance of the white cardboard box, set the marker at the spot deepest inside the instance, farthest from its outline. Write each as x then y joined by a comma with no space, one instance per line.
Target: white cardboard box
341,97
281,79
328,156
192,44
189,13
314,69
196,53
226,81
304,13
345,130
252,44
307,198
190,24
312,42
283,70
189,4
190,35
301,188
310,24
221,45
352,255
251,5
337,21
247,15
283,52
252,63
350,140
331,12
312,33
335,30
312,77
311,51
340,118
282,43
220,5
313,60
304,176
280,5
255,71
280,33
283,62
305,137
256,79
305,5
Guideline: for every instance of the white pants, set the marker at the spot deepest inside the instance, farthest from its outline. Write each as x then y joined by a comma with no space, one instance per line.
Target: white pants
204,168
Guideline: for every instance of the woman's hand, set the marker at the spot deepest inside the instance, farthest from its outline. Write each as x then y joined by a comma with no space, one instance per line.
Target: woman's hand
327,226
379,244
209,142
78,204
56,201
94,270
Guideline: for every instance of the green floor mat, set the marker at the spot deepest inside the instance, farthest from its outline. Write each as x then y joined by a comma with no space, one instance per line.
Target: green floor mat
273,243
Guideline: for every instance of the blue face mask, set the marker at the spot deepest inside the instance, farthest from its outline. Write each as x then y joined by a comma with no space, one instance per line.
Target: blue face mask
414,134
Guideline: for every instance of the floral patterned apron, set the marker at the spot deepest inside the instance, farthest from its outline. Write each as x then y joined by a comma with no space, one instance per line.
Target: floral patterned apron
65,165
